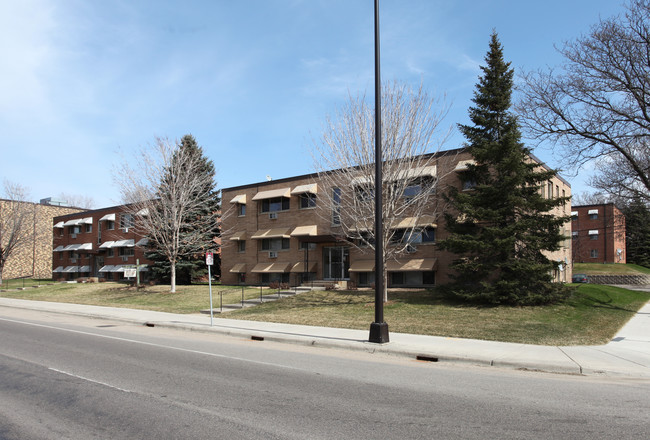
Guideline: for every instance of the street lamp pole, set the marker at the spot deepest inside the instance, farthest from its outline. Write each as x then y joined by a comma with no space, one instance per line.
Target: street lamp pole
378,329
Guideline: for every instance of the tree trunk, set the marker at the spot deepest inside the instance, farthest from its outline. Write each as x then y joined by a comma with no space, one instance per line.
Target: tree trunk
173,278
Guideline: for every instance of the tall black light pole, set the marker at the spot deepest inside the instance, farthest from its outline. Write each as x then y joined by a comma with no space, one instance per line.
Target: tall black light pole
378,329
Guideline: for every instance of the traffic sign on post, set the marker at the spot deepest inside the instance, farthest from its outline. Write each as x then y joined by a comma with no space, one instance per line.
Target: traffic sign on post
209,258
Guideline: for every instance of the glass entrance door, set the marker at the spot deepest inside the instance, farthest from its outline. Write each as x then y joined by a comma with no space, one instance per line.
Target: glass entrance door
336,263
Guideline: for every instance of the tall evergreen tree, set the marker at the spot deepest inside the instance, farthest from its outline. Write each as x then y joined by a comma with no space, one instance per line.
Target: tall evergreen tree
504,224
637,232
194,242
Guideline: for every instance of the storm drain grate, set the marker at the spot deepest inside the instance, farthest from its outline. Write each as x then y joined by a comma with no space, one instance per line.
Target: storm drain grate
426,358
257,338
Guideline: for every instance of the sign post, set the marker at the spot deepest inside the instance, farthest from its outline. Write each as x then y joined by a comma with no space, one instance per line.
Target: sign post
209,260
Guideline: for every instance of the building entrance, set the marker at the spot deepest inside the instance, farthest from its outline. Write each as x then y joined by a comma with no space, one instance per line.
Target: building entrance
336,263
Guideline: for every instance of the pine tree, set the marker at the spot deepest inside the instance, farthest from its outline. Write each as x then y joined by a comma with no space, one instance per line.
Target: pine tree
637,232
504,224
191,264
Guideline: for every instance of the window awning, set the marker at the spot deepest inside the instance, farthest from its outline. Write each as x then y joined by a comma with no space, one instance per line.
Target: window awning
239,268
593,232
413,222
311,188
462,165
74,222
143,212
271,233
574,213
303,231
60,225
420,172
87,221
106,245
58,269
239,198
84,269
71,269
300,267
363,266
124,243
108,217
238,236
592,211
86,247
118,268
59,249
271,268
72,247
142,242
107,268
272,194
412,265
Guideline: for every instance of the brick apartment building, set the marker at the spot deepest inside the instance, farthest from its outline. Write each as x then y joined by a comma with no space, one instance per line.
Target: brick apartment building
273,231
34,259
598,234
99,244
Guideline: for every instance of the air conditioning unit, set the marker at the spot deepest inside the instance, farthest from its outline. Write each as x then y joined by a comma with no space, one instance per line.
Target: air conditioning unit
73,260
273,254
73,235
125,258
411,249
273,215
126,230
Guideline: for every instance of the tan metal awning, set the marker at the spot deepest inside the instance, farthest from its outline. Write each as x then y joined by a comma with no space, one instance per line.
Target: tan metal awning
462,165
301,231
363,266
272,194
271,268
239,198
271,233
430,170
238,268
412,265
412,222
300,267
238,236
311,188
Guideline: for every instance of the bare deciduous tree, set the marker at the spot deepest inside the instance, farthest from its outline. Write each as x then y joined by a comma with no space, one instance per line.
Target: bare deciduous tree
16,220
344,157
163,190
597,105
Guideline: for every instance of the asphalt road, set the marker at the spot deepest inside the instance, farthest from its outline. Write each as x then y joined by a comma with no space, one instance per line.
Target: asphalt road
69,377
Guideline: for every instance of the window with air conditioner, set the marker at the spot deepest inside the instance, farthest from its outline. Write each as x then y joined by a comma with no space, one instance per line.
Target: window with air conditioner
273,254
273,215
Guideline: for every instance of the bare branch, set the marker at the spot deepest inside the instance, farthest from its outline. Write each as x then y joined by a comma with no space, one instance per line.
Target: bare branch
16,215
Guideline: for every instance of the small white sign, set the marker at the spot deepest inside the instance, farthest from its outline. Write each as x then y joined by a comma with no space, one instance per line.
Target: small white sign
209,258
130,272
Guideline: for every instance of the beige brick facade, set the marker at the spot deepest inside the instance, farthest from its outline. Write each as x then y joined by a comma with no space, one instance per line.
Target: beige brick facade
271,233
34,259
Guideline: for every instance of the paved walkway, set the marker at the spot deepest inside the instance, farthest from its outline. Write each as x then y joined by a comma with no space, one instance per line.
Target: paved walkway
626,355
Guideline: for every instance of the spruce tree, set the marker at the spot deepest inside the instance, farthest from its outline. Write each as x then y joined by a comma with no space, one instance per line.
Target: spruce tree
637,232
191,264
503,225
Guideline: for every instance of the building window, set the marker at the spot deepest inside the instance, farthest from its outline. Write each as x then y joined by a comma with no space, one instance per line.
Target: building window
366,278
306,246
126,252
412,278
241,246
336,210
593,216
550,190
110,253
241,209
425,235
110,225
75,229
593,236
275,204
89,228
307,200
126,221
267,278
275,244
468,184
594,253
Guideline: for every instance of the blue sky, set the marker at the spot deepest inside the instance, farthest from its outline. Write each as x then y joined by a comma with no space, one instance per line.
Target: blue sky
252,80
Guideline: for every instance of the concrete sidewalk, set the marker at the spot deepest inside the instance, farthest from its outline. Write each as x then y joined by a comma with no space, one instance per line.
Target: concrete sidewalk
626,355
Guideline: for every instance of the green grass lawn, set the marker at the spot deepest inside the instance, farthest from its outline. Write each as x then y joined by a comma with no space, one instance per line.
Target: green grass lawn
187,299
610,269
592,315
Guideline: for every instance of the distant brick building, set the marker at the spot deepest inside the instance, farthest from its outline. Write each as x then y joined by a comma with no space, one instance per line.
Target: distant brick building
598,234
101,244
35,258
